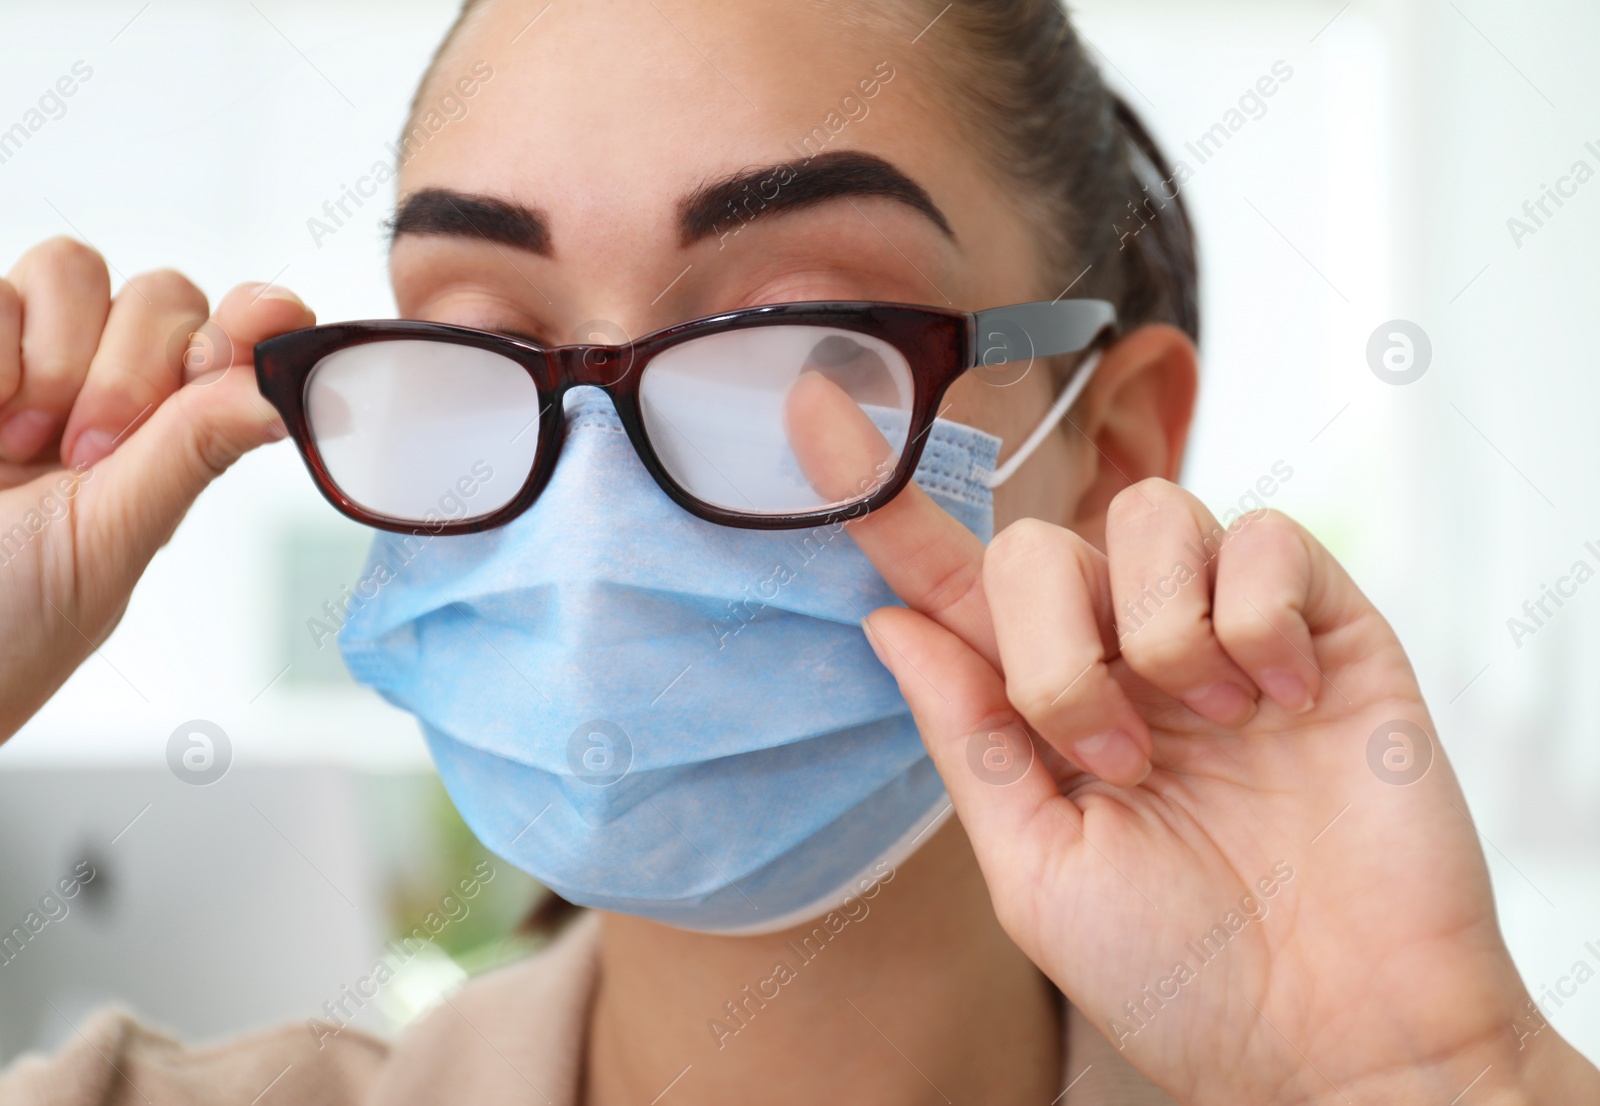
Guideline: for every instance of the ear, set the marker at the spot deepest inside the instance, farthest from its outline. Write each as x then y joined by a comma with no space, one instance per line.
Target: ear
1133,420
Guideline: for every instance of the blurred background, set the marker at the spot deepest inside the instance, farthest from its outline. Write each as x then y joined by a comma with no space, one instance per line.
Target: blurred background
1376,322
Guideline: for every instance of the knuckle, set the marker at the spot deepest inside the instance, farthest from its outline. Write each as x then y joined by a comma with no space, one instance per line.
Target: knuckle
240,298
118,379
951,588
1025,540
165,286
1264,532
1035,700
1141,500
1048,693
1242,628
221,426
208,440
209,449
53,376
68,259
1169,647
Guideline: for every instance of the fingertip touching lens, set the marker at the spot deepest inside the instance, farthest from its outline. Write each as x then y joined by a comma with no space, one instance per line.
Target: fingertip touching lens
779,419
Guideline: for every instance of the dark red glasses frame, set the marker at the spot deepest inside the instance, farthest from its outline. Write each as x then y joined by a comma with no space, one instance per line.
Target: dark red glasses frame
939,345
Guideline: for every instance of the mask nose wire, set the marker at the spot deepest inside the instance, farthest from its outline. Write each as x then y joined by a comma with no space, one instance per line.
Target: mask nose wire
1058,411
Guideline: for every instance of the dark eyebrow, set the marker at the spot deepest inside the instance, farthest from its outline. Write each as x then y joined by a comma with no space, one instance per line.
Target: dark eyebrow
464,215
719,207
767,190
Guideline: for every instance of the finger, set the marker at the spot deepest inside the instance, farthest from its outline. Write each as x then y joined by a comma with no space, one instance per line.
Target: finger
843,455
137,366
1276,588
1160,540
933,563
10,341
158,470
66,293
973,734
1050,598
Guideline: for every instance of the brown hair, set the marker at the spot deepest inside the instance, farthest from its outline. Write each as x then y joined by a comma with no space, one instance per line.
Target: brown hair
1087,172
1029,96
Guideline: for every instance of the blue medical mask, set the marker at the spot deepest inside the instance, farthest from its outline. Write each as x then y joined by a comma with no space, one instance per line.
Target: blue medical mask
657,715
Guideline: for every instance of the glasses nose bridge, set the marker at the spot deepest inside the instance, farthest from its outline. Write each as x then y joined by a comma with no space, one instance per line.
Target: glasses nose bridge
598,365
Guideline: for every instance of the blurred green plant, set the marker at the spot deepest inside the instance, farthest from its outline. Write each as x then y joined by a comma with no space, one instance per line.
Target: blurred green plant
486,934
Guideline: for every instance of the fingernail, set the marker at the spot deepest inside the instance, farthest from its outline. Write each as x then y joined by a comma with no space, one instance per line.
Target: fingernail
25,433
91,446
276,292
1287,689
1225,703
872,640
1113,756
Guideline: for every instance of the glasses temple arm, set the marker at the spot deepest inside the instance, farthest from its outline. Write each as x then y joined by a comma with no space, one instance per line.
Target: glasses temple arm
1042,329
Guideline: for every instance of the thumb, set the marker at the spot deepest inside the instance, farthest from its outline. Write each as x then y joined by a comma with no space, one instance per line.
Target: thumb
989,761
141,491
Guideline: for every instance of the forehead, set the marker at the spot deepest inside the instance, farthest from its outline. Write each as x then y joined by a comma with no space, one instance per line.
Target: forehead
608,108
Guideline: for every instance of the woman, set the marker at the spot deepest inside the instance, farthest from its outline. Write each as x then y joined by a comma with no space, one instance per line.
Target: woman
1164,739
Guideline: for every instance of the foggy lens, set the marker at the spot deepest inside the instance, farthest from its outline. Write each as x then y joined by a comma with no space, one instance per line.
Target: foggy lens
424,431
778,419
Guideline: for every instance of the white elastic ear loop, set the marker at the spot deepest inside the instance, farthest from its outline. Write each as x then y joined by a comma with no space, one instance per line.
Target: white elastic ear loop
1058,411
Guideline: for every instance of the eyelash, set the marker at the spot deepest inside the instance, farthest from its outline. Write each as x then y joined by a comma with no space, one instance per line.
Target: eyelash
509,331
526,337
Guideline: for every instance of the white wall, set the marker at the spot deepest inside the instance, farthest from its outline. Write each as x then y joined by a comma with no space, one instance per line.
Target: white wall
1376,186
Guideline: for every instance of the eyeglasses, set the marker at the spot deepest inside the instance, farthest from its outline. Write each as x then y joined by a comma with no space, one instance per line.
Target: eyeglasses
771,417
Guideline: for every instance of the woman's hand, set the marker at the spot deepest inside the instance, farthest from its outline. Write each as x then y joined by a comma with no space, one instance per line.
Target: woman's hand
114,414
1292,906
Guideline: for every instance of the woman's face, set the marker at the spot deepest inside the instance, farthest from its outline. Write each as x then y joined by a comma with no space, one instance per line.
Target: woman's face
607,120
